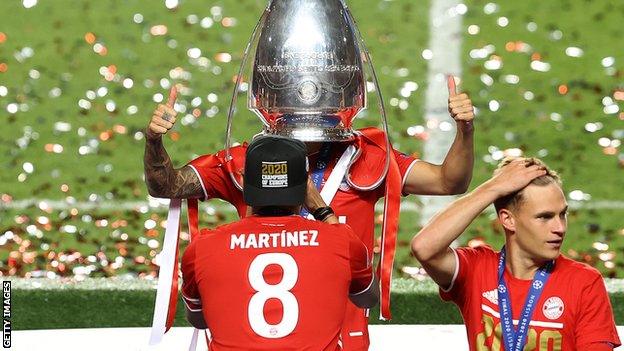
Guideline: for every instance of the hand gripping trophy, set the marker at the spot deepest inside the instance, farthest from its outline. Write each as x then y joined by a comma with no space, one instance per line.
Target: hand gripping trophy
306,67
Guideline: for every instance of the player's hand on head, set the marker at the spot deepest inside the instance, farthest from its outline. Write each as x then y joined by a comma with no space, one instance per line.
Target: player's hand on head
164,116
459,105
514,177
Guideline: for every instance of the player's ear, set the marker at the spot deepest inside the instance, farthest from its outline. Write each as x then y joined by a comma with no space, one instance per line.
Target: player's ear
507,220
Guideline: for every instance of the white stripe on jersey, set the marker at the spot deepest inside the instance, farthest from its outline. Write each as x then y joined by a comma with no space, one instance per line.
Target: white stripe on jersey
533,323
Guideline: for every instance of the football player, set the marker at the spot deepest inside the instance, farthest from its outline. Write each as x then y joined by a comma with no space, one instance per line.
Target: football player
528,296
275,280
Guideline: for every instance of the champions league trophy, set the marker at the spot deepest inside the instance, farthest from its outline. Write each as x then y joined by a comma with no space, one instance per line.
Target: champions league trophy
307,81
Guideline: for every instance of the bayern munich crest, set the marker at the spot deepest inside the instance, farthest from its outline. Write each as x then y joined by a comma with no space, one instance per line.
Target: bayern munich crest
553,308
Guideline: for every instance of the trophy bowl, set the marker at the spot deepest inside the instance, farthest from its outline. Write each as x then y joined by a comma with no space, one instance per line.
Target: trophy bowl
307,77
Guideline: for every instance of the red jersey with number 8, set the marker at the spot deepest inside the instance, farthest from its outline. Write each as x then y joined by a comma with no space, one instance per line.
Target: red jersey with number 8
353,206
274,283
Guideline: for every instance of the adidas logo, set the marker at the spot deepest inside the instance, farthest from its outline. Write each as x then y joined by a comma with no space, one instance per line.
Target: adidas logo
492,296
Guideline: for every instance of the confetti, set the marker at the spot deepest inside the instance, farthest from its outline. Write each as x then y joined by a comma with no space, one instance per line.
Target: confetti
77,115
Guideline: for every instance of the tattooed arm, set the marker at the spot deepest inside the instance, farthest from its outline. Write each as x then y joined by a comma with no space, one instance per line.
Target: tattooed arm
161,178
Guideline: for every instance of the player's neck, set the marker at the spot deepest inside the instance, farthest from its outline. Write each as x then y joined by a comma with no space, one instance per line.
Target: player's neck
521,264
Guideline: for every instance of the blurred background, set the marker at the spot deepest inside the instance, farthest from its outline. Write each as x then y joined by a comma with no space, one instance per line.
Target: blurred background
79,81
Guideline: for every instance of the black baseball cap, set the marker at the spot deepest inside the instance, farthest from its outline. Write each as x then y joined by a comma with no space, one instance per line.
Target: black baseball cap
276,172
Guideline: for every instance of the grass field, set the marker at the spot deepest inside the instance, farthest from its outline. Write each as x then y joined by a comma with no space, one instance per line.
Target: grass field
53,305
78,82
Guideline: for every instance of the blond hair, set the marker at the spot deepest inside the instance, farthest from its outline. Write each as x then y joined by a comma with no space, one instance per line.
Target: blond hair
514,199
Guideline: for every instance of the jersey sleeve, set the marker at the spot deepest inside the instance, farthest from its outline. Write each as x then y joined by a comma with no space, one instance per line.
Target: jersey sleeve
595,323
360,263
214,177
405,162
466,261
190,290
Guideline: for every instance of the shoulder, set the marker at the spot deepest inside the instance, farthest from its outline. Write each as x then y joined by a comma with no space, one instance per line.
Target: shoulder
232,226
345,234
368,166
337,229
333,228
371,139
471,266
338,233
219,157
211,233
235,151
580,272
370,133
469,258
482,252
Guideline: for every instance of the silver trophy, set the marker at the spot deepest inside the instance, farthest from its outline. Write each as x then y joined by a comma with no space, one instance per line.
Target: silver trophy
307,78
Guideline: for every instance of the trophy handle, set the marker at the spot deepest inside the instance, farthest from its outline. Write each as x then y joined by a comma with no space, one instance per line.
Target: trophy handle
239,79
380,104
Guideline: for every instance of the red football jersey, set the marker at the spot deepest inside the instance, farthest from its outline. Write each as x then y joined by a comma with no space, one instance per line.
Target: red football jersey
275,283
572,312
352,206
355,207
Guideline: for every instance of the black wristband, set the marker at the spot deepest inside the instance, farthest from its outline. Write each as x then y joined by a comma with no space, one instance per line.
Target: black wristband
321,213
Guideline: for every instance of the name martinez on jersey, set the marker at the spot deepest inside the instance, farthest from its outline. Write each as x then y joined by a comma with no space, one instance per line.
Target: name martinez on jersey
279,239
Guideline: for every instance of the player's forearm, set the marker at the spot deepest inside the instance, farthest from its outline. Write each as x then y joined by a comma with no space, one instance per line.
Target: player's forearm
162,179
159,172
435,238
314,201
331,219
458,164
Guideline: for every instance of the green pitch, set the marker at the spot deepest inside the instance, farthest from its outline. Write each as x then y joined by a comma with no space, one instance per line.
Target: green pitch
98,303
79,79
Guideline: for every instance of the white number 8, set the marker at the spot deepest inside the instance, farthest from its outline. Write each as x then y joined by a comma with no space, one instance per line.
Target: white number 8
280,291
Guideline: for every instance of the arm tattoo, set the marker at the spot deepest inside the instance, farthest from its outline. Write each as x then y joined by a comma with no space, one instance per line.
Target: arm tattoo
165,181
187,184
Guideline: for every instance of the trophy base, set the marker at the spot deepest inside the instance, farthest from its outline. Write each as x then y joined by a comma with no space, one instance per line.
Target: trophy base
311,128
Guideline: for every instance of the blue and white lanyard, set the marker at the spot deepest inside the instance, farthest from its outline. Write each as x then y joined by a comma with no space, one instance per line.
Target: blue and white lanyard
514,339
319,170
